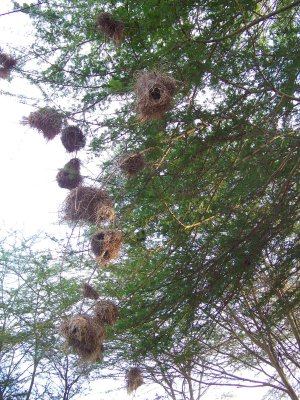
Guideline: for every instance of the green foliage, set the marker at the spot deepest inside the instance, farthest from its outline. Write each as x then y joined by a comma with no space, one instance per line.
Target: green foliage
218,201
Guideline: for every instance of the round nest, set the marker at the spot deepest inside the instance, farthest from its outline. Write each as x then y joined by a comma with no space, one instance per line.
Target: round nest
7,64
132,164
134,379
84,335
87,204
106,245
69,176
47,120
72,138
154,93
89,292
106,312
110,27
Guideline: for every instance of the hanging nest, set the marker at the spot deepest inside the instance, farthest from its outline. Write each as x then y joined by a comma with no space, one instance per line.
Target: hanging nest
7,64
84,335
87,204
72,138
154,93
89,292
110,27
69,176
47,120
134,379
106,312
132,164
106,245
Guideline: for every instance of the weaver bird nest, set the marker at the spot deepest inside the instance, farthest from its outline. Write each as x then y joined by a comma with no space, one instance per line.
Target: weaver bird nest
110,27
134,379
154,93
69,176
87,204
85,336
106,312
46,120
89,292
106,245
7,63
72,138
132,164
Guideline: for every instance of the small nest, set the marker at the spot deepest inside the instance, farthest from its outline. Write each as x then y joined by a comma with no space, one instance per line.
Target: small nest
154,93
72,138
84,335
110,27
106,245
134,379
47,120
89,292
132,164
106,312
87,204
69,176
7,64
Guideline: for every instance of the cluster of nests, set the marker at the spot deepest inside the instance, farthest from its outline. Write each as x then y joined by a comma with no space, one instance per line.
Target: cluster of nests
7,63
85,333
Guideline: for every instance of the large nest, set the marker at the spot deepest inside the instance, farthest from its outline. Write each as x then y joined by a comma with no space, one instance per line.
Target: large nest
85,336
134,379
87,204
47,120
110,27
106,312
89,292
72,138
69,176
132,164
7,64
106,245
154,93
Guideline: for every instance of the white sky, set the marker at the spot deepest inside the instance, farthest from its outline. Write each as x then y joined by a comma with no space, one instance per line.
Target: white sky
30,197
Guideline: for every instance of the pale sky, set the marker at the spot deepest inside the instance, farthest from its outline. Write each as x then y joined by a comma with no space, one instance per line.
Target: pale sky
30,197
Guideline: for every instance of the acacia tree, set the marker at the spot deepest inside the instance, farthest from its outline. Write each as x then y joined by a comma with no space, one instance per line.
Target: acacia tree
35,295
218,196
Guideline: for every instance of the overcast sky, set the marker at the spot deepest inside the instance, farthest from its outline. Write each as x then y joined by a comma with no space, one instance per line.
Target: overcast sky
30,197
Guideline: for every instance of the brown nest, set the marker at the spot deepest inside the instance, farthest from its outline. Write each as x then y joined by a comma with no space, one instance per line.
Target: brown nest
106,312
89,292
106,245
47,120
84,335
87,204
132,164
134,379
7,64
69,176
110,27
154,93
72,138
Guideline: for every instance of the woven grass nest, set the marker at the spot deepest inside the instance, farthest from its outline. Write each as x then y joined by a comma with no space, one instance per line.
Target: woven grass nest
69,176
7,64
88,204
106,312
132,164
134,379
106,245
85,335
46,120
72,138
110,27
89,292
154,93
